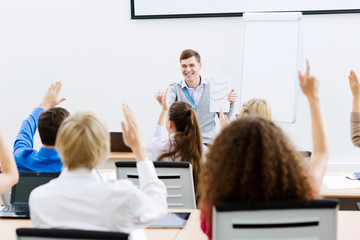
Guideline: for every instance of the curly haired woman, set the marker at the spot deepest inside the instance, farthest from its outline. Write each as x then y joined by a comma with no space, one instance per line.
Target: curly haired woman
252,160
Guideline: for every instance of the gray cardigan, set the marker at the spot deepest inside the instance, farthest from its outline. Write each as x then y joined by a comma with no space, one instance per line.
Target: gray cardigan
206,118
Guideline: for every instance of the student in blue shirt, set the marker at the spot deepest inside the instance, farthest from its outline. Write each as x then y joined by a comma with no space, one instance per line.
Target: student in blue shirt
47,118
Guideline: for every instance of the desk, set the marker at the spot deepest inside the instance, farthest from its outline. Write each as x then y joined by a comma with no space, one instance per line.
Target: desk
347,197
346,228
117,156
8,227
191,231
128,156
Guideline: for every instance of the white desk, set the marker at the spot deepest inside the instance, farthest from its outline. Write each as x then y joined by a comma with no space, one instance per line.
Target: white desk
347,197
347,228
191,231
117,156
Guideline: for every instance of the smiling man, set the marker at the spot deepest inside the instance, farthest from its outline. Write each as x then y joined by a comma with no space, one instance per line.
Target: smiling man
195,90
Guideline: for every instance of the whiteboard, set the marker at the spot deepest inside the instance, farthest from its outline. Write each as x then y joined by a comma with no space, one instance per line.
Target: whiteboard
272,50
208,8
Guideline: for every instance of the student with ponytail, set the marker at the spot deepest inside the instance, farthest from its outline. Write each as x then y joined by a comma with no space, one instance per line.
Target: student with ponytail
177,136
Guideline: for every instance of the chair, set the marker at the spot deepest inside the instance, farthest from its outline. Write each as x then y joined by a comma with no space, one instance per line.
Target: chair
296,219
67,234
177,177
5,197
306,155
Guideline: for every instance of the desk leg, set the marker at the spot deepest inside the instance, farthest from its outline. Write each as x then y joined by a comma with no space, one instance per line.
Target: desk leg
348,203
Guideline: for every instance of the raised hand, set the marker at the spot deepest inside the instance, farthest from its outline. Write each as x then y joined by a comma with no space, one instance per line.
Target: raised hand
51,97
131,134
9,175
224,121
318,163
354,85
308,83
164,102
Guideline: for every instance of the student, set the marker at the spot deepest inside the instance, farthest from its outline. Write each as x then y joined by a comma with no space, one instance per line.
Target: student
254,107
252,160
195,90
47,118
181,139
355,114
9,174
78,199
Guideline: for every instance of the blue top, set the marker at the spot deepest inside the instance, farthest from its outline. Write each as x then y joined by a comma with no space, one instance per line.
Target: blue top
27,158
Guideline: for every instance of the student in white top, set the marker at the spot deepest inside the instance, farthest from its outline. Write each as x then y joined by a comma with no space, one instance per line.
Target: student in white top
177,136
9,174
78,199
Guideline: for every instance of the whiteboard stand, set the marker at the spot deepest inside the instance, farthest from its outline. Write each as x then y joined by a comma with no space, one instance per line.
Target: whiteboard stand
271,60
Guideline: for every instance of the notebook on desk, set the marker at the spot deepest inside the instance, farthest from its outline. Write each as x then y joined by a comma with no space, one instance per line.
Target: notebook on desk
357,175
19,202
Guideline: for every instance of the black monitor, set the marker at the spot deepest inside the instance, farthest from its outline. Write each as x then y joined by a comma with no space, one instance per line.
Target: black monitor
27,182
117,143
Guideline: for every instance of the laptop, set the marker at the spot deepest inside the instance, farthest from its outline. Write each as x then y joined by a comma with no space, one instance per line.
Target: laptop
117,143
19,200
171,220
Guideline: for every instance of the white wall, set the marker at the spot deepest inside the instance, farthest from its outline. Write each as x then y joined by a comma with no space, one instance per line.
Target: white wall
332,46
104,59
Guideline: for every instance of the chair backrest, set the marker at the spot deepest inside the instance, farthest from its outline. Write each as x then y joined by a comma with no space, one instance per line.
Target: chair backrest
296,219
177,177
306,155
5,197
67,234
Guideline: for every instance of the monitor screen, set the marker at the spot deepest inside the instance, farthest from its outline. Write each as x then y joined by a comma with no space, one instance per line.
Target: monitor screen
117,143
27,182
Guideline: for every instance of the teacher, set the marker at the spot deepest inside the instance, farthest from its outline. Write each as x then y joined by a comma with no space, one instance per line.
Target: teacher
195,91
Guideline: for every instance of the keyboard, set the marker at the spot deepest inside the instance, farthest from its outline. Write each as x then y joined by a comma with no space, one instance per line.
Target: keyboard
16,208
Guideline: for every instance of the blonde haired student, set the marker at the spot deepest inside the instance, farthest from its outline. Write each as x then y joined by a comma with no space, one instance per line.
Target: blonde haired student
78,199
254,107
257,163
